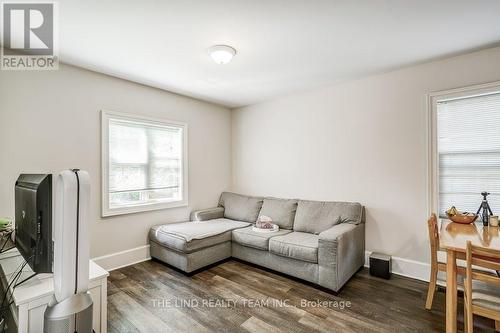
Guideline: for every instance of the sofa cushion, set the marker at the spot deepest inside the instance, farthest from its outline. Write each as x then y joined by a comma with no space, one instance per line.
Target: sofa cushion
259,240
296,245
317,216
240,207
281,211
188,237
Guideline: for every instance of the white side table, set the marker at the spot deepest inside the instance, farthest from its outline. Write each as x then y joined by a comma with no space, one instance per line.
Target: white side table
31,298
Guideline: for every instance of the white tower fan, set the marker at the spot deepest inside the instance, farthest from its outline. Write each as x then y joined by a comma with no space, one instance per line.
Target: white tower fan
71,311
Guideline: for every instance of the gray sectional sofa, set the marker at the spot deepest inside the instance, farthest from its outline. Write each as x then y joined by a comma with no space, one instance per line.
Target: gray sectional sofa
320,242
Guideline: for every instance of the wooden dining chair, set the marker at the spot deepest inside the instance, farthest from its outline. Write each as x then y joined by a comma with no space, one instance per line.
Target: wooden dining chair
481,290
436,265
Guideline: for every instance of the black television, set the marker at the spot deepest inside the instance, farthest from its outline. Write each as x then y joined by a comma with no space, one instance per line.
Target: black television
33,220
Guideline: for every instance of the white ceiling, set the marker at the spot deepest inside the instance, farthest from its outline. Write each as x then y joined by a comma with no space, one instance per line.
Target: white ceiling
283,46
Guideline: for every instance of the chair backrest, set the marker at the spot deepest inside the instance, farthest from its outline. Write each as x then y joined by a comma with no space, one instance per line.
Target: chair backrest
481,257
433,237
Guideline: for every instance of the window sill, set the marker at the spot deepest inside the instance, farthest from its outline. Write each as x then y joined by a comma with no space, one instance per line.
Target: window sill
106,212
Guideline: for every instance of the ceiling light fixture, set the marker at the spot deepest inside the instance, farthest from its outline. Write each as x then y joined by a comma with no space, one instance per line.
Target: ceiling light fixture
222,54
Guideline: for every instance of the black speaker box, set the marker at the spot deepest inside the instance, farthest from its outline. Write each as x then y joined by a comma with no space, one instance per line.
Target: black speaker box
380,265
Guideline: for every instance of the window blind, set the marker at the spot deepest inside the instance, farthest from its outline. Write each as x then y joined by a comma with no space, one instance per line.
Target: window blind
145,163
468,141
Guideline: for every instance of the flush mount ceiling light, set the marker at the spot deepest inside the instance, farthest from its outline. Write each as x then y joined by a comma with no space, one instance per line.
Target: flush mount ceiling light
222,54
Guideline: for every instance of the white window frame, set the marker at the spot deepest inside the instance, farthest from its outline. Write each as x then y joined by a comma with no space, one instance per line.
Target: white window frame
433,158
105,210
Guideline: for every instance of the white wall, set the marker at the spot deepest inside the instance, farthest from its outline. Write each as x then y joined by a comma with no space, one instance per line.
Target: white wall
49,121
363,140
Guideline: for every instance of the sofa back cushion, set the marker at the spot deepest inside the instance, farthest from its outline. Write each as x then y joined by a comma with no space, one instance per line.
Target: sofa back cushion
240,207
281,211
317,216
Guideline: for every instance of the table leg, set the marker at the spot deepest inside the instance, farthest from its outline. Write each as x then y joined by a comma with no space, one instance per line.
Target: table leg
451,292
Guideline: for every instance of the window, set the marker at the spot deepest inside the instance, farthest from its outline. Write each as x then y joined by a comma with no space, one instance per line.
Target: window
143,164
467,145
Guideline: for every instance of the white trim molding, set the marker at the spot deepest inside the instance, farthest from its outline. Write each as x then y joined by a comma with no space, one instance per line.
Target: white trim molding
123,258
106,211
406,267
400,266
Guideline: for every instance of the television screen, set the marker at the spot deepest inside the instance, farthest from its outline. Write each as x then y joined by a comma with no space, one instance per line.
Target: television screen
33,220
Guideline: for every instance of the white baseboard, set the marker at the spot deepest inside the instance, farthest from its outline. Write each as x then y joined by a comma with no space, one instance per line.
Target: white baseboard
400,266
406,267
123,258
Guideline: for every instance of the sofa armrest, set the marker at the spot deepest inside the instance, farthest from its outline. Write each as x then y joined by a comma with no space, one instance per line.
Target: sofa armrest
341,253
336,232
207,214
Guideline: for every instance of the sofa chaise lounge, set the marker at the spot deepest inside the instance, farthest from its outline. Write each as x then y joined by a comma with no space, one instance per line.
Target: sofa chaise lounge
320,242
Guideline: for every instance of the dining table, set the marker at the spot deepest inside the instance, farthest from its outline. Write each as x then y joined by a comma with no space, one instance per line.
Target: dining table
453,238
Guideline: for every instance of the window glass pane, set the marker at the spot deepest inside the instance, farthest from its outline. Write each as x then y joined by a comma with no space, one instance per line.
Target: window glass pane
127,177
166,151
469,152
165,143
136,198
124,199
469,124
165,194
165,173
127,143
145,163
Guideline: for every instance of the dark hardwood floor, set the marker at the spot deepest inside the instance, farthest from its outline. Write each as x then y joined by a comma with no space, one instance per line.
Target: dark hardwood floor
236,297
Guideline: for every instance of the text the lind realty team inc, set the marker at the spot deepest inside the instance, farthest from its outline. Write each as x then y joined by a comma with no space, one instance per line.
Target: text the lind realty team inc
249,303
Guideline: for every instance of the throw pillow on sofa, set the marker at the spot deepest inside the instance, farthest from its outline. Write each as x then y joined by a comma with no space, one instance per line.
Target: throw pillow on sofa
240,207
317,216
281,211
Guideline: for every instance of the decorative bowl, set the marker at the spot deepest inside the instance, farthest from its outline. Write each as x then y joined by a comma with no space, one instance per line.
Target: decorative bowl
463,219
